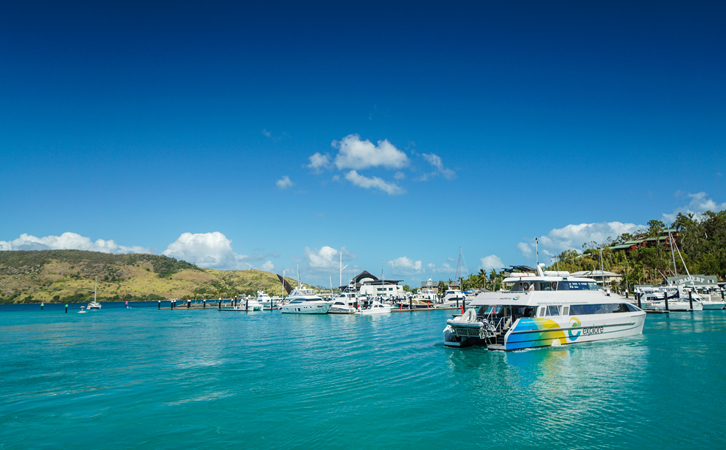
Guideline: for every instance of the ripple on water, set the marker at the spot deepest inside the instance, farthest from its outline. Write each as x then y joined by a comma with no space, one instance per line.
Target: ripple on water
264,380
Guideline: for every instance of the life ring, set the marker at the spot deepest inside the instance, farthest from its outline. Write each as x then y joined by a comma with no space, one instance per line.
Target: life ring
554,285
526,286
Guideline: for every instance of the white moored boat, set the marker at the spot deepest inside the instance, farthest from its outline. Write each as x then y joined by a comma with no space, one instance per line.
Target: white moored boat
265,300
94,304
548,309
343,303
375,307
305,301
452,298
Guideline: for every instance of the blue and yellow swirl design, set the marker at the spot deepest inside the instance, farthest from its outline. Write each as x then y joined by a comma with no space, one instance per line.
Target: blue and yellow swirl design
574,322
540,338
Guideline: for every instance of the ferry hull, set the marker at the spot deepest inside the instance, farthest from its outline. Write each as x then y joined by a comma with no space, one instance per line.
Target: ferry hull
545,332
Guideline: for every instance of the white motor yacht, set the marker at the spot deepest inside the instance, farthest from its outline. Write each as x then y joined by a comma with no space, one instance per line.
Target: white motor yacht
343,303
375,307
453,298
543,310
265,300
305,301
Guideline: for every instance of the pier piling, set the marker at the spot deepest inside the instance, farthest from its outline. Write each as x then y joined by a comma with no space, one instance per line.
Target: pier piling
159,307
638,295
665,297
690,300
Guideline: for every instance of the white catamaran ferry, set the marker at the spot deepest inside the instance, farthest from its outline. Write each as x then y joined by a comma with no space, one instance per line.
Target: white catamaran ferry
548,309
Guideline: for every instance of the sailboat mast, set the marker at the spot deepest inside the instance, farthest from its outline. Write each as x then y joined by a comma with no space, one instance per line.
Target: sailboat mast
673,254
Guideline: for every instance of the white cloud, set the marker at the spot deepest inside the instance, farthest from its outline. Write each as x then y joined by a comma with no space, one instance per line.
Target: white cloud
266,133
435,161
208,250
491,262
374,182
356,154
405,266
399,176
525,249
327,258
268,266
284,182
572,237
319,161
699,204
445,268
69,241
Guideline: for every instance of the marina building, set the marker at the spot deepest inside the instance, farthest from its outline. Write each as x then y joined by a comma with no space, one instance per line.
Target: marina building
369,285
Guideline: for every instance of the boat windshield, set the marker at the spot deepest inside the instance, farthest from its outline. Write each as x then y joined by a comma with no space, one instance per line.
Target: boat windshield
545,285
506,311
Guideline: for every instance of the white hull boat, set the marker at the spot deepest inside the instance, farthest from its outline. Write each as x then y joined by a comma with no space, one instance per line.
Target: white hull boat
543,311
94,304
304,301
375,308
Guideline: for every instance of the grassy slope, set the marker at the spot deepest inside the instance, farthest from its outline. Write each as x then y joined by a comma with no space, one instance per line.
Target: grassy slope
68,275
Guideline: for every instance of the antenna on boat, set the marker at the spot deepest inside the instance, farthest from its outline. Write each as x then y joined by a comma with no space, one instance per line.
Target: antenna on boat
670,239
602,271
341,267
536,252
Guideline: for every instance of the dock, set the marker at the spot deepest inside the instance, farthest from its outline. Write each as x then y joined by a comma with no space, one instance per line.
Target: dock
424,309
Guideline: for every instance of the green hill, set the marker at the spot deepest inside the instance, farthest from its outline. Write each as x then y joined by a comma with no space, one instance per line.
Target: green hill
68,276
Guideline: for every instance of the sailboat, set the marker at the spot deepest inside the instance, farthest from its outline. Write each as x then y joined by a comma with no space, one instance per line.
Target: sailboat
94,304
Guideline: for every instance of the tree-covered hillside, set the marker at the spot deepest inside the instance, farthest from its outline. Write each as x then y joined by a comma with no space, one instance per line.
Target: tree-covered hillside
68,276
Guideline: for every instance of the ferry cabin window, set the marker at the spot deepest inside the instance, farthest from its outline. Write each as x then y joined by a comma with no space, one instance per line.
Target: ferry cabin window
577,286
545,286
605,308
553,310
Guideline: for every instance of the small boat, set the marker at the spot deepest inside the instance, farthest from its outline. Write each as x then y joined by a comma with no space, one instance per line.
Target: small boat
453,298
375,307
249,304
82,311
94,304
265,300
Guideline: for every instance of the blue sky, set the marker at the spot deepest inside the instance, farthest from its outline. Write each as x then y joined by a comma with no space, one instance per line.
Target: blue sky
272,134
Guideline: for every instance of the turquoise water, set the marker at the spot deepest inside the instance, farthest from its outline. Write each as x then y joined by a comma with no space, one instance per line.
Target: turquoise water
142,378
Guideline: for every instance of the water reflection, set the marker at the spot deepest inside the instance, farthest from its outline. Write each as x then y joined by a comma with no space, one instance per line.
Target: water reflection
554,390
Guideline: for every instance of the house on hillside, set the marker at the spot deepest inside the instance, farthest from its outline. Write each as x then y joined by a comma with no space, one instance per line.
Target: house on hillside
642,241
599,276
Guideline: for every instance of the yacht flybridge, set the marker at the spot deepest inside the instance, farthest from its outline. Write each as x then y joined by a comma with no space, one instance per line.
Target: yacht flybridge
547,309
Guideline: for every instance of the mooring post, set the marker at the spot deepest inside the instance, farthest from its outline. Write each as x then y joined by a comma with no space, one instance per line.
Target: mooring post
159,308
665,296
66,308
204,304
690,299
626,293
247,304
638,295
189,303
41,306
